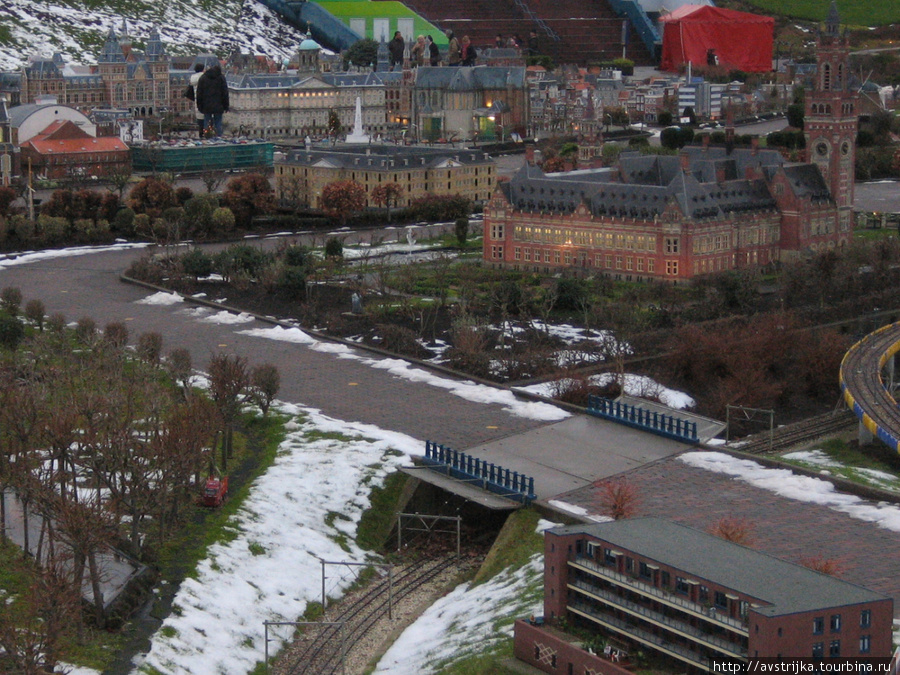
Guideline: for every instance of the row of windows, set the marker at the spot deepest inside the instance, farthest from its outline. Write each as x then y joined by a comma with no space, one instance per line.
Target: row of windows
711,243
834,647
865,621
607,261
582,237
821,226
705,595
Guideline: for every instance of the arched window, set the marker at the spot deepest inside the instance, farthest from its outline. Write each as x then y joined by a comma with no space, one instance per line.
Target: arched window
840,76
826,76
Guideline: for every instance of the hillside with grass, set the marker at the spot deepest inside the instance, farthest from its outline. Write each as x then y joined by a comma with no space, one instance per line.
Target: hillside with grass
854,13
78,28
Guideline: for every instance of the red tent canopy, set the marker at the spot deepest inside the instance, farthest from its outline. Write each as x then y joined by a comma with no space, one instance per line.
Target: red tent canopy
741,41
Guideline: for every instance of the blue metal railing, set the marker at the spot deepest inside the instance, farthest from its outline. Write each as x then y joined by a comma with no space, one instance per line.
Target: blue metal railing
488,476
641,22
646,420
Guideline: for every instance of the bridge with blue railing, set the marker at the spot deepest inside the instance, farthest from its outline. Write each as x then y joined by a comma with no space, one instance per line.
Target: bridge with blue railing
486,475
662,424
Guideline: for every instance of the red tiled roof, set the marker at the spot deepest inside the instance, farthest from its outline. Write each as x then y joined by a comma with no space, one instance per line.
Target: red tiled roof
77,145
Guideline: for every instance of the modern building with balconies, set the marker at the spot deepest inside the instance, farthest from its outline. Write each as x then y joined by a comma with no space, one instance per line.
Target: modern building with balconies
658,587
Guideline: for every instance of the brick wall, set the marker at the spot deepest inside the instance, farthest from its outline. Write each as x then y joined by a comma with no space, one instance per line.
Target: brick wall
550,653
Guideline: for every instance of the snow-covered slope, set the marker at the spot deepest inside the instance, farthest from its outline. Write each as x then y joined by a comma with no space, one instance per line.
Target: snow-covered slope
78,28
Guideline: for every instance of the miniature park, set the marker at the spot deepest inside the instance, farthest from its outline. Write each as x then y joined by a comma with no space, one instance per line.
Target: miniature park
602,261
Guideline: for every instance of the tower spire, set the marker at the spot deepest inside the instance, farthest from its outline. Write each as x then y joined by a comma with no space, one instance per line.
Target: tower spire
833,20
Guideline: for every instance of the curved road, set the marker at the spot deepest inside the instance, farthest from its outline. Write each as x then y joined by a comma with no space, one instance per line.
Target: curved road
864,388
347,389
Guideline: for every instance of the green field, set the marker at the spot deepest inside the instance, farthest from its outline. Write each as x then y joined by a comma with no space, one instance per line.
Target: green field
853,12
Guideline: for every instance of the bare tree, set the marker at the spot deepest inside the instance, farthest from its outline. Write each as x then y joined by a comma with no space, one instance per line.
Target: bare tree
35,312
228,380
735,530
619,498
266,381
212,180
182,449
180,368
149,347
86,528
819,563
34,625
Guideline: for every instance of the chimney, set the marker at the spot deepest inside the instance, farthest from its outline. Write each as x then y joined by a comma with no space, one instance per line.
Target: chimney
685,162
729,127
754,145
720,174
705,142
529,154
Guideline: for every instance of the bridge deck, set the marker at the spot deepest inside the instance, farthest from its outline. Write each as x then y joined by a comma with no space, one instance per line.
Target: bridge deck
864,389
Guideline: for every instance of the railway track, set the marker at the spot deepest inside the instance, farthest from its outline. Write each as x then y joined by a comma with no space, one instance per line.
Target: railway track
321,652
791,435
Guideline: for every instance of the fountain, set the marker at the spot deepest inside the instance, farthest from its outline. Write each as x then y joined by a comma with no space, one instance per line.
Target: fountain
358,135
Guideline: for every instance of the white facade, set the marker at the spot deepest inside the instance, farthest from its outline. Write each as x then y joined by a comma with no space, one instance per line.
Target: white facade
288,107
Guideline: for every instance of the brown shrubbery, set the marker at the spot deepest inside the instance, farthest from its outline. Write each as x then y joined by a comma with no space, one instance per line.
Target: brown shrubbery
762,362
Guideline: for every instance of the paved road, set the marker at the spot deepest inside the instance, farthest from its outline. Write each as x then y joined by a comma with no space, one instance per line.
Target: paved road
880,195
343,388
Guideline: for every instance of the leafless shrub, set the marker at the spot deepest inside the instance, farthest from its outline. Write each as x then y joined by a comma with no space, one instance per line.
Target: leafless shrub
619,498
819,563
735,530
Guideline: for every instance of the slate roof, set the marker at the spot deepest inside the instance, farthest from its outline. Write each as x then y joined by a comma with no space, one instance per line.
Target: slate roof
786,588
42,68
385,157
369,79
806,181
264,81
470,79
646,184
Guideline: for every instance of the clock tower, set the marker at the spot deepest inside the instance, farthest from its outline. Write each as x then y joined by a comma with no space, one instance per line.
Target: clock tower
831,119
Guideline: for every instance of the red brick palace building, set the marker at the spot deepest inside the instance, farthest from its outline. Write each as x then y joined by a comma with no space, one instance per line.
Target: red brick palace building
709,209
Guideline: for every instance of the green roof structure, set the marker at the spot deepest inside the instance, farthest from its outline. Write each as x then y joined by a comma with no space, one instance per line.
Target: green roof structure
350,12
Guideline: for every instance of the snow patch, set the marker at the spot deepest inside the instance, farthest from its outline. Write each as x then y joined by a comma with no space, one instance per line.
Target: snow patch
161,298
801,488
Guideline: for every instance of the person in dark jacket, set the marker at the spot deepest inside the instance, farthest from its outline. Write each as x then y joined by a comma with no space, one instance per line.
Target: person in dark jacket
434,52
467,52
212,98
396,47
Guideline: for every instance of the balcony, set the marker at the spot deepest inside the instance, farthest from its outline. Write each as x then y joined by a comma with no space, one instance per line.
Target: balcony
645,589
639,635
729,649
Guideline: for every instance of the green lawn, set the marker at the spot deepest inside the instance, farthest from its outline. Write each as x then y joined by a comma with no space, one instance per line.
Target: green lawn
853,12
873,466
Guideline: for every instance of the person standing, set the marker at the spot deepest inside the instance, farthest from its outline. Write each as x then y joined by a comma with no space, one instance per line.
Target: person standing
434,53
417,53
468,54
212,98
533,43
395,48
195,80
454,53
